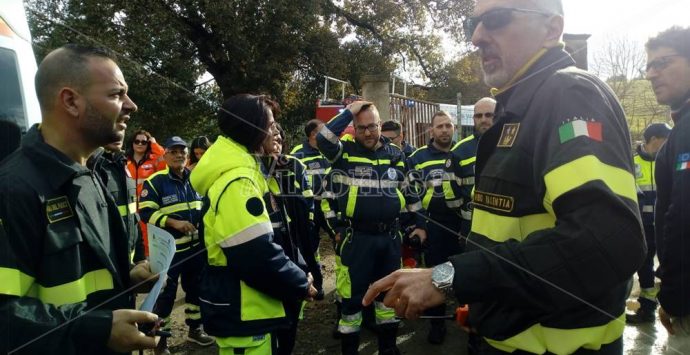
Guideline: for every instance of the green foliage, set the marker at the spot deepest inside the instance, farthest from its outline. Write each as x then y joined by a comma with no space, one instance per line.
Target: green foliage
280,47
460,76
641,108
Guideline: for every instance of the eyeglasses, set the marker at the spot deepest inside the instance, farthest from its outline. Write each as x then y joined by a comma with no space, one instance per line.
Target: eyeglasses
495,19
140,142
372,128
486,114
661,63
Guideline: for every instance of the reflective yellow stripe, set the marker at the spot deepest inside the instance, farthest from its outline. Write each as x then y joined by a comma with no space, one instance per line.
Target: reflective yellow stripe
350,323
182,206
429,163
468,161
296,149
156,218
501,228
427,198
401,198
14,282
351,201
308,159
580,171
149,204
256,305
75,291
644,173
384,315
448,190
347,157
539,339
127,209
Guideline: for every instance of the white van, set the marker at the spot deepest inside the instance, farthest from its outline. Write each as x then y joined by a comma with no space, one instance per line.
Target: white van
18,102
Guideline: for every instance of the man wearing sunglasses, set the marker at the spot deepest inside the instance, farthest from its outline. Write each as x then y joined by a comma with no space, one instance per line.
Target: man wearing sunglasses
556,232
668,70
367,178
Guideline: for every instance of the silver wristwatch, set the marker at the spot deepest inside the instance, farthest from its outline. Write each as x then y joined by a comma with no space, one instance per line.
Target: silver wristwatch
442,277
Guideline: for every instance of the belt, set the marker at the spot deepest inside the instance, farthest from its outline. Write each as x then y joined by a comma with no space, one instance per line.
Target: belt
371,227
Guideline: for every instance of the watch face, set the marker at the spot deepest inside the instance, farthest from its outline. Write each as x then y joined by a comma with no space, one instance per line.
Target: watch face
443,273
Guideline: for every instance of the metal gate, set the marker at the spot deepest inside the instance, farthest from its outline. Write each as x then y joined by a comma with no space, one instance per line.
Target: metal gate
415,117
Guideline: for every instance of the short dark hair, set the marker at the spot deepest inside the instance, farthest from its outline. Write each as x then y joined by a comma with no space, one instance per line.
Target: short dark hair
439,114
675,37
244,118
311,126
65,66
391,126
659,130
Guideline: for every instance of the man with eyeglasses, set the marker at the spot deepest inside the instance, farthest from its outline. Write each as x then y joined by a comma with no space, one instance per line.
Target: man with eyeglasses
556,232
668,70
393,131
458,188
169,201
367,179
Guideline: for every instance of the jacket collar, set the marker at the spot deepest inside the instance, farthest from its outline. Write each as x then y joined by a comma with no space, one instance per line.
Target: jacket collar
432,148
61,167
515,99
644,155
308,148
683,111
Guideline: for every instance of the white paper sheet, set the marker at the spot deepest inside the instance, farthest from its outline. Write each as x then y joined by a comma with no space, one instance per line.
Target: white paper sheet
161,253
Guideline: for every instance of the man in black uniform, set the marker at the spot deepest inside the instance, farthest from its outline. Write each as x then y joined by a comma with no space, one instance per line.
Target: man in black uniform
426,170
668,69
110,163
556,232
393,131
367,180
64,263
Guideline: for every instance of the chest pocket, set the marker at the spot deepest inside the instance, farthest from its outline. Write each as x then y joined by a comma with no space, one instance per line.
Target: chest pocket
509,173
62,237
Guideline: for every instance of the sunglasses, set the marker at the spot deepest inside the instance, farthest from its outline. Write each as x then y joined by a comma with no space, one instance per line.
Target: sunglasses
495,19
661,63
140,142
486,114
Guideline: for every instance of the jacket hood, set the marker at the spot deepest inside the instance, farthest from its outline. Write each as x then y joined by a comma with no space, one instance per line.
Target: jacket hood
223,156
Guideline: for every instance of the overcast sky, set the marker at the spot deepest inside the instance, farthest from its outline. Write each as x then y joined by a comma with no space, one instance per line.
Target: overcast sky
635,19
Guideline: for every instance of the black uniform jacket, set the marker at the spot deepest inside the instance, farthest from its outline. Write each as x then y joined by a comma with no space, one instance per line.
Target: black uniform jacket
556,230
672,222
63,254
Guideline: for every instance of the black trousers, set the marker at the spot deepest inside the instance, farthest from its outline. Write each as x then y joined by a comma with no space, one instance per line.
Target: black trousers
646,271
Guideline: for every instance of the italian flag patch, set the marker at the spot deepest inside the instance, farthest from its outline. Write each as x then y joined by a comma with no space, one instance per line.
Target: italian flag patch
580,128
683,162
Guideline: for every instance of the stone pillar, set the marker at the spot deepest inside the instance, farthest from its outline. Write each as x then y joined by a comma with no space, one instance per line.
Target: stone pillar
375,88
